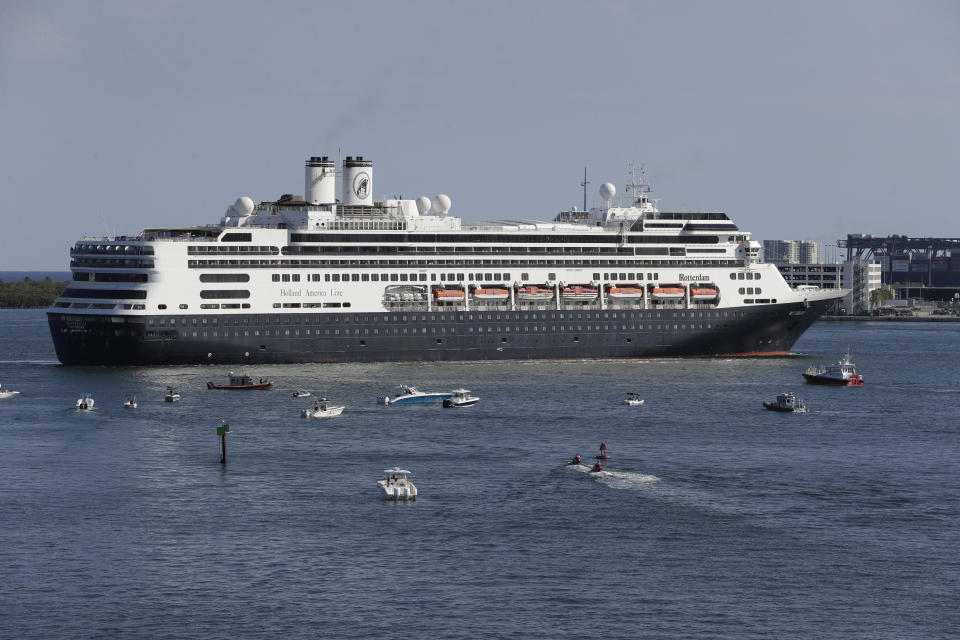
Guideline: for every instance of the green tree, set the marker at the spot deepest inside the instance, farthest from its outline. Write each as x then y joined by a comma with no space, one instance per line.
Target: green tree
879,296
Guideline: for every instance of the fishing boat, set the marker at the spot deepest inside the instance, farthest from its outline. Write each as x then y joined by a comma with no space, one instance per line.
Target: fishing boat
396,486
172,395
842,373
241,382
412,395
7,393
786,402
633,400
130,401
460,398
85,402
322,410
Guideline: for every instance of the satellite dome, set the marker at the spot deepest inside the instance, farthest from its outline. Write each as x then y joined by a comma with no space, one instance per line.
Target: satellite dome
423,205
441,204
243,206
607,191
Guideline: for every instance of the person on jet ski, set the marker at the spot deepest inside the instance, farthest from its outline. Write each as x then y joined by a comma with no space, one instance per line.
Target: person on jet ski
576,460
597,467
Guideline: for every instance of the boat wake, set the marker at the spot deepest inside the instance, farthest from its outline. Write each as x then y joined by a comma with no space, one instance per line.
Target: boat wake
625,480
50,363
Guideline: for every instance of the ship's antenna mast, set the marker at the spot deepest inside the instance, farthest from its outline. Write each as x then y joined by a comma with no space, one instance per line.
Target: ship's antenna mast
584,185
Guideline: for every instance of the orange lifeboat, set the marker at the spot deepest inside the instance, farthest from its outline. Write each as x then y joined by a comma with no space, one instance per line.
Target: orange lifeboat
624,293
534,293
491,294
667,293
448,294
702,293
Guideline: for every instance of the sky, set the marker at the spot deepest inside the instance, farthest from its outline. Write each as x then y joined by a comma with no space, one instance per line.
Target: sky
801,120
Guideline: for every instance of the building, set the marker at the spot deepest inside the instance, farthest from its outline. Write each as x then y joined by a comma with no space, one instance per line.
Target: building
858,275
926,268
792,251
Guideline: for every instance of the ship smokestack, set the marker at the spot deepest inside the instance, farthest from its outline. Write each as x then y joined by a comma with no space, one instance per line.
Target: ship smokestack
357,181
320,181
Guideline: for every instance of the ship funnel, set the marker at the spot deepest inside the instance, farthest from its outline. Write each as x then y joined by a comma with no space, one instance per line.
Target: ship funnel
357,181
320,181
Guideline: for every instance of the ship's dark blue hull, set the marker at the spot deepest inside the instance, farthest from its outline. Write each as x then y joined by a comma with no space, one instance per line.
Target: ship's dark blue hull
423,336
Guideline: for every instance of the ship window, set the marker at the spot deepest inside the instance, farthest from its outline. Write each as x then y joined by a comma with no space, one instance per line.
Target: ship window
183,306
733,276
742,291
276,305
403,277
757,276
286,277
740,276
161,306
336,277
365,277
375,277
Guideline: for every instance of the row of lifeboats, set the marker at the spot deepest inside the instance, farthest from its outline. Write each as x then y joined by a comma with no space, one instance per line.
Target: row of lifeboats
533,293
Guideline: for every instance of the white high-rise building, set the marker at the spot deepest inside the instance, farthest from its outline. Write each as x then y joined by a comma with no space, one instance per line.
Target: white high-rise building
781,251
810,252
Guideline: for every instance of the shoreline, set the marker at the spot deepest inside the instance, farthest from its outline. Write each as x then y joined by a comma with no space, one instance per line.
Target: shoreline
888,319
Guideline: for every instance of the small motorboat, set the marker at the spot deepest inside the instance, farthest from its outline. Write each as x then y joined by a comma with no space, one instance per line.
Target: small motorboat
597,467
130,401
172,395
576,462
85,402
787,402
322,410
460,398
633,400
841,374
7,393
411,395
241,382
396,486
301,394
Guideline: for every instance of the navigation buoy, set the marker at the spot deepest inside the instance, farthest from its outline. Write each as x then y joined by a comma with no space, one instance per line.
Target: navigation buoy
603,452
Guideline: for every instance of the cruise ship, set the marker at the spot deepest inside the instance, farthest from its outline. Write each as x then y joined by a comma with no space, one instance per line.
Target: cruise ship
317,278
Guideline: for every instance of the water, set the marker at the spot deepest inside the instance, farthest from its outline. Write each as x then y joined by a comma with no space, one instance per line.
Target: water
717,519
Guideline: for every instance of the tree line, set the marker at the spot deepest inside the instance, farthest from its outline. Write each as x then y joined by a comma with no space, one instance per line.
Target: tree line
30,294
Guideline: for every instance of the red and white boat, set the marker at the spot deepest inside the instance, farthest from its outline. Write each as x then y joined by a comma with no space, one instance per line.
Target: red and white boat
703,294
624,293
534,294
491,294
667,293
241,381
449,294
841,374
578,293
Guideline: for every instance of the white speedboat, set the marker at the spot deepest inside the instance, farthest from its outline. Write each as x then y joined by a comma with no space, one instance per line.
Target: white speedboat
460,398
172,395
84,402
412,395
322,410
633,400
396,486
130,401
7,393
301,394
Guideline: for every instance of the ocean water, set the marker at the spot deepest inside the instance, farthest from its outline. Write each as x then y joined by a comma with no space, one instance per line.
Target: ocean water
715,519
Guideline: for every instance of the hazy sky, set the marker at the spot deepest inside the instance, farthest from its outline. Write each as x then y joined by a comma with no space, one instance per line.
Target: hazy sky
804,120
